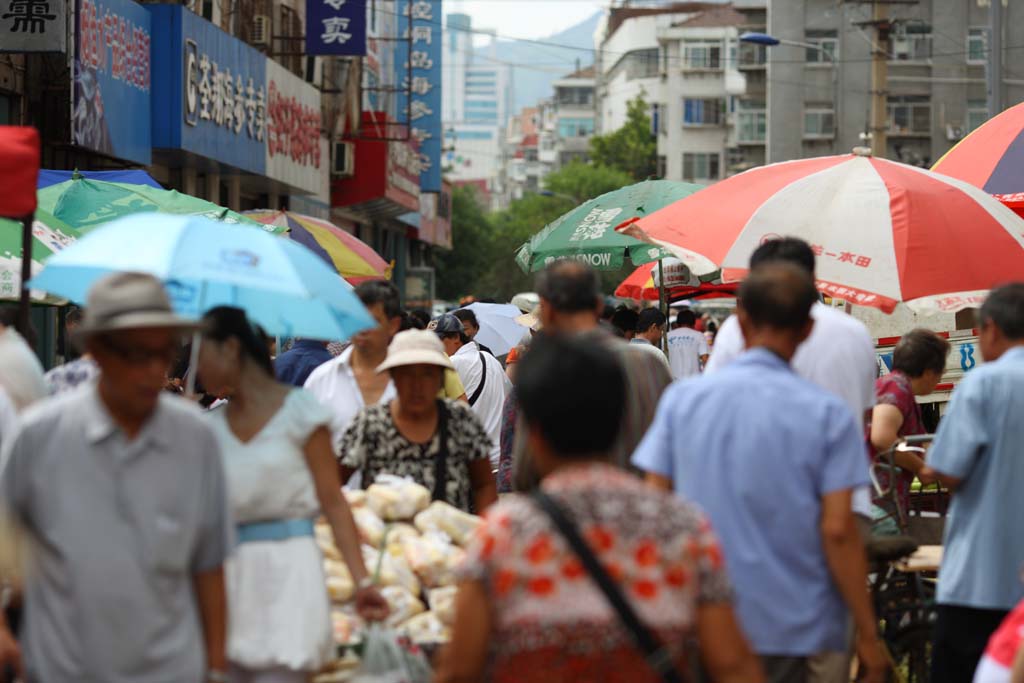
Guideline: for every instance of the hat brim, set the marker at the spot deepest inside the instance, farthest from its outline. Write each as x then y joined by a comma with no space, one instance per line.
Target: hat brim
137,321
415,357
529,320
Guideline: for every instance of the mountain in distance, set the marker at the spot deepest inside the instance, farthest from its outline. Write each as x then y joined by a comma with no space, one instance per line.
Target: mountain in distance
536,66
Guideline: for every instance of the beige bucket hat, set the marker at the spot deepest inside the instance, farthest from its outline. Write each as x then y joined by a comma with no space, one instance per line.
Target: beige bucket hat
415,347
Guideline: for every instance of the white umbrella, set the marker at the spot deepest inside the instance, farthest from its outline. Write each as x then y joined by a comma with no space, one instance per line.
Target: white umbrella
499,330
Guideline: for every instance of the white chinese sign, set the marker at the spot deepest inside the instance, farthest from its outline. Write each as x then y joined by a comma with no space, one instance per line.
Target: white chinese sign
33,26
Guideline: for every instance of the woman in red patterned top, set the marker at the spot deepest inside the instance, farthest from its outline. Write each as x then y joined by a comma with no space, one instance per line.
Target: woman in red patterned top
918,362
527,610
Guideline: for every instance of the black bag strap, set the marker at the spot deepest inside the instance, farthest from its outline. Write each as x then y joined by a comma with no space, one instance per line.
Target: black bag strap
441,459
657,657
483,379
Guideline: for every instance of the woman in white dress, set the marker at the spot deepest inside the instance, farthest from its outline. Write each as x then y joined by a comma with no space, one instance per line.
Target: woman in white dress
281,474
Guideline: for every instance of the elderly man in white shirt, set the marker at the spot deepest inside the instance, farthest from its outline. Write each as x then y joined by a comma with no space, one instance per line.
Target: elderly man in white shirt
486,384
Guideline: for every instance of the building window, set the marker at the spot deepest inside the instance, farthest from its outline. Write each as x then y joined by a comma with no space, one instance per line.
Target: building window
819,121
752,55
751,122
575,96
828,47
575,127
915,45
290,27
910,115
977,114
977,45
703,55
703,112
662,165
700,166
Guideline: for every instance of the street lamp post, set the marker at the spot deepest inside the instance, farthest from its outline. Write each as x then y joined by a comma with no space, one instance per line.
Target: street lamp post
771,41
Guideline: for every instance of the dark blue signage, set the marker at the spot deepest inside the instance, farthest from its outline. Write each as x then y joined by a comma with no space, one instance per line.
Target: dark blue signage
420,60
336,27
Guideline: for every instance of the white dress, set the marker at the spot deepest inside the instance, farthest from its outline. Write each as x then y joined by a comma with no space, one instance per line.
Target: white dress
278,611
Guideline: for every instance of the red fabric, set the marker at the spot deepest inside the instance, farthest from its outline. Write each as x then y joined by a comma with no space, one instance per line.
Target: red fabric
1008,638
19,170
952,242
639,286
975,157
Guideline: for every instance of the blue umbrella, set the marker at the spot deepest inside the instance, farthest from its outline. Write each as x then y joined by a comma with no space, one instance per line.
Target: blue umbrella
282,285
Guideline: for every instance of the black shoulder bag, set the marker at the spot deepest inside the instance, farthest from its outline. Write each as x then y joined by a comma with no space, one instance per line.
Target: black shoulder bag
657,656
483,378
441,459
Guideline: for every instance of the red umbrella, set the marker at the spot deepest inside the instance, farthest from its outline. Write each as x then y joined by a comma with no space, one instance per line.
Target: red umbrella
884,232
641,285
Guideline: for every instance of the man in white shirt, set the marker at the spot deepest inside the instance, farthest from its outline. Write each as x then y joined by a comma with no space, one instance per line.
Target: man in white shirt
650,325
349,382
687,348
838,356
486,384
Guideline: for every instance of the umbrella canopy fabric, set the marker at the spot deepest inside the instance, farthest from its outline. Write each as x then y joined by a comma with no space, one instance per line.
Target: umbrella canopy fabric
83,203
281,285
499,330
588,231
352,258
643,283
992,156
49,177
49,236
883,232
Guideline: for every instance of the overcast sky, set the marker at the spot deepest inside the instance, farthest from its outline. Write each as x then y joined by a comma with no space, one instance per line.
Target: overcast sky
524,18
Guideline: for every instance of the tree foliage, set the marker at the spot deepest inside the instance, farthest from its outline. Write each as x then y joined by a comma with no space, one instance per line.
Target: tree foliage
482,262
632,148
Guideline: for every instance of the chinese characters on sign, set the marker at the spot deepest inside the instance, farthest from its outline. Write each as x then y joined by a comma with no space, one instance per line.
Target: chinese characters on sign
595,224
336,27
842,256
33,26
420,22
214,95
293,129
112,79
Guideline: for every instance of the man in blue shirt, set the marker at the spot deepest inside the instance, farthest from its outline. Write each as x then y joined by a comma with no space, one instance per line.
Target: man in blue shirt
773,460
295,365
978,455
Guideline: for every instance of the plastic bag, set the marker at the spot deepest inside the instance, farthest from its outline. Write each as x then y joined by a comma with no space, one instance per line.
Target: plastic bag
340,587
441,516
325,540
356,498
426,629
442,604
393,568
404,605
370,526
386,660
433,558
395,498
346,627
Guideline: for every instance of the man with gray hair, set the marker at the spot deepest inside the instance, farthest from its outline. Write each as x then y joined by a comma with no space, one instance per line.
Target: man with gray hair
121,487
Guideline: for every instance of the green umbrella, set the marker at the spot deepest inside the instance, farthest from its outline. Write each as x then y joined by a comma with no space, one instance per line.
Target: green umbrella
86,203
588,232
49,235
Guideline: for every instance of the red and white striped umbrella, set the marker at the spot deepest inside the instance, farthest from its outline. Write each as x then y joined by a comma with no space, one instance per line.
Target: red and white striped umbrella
883,232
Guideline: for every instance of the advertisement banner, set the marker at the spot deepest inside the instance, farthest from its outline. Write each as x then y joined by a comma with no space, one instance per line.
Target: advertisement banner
111,91
33,26
420,61
336,27
221,99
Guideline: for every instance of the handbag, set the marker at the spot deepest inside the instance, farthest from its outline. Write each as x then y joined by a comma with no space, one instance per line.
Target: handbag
657,656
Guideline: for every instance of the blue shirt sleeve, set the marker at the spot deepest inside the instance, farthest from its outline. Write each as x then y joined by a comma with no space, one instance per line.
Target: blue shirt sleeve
962,434
846,460
654,454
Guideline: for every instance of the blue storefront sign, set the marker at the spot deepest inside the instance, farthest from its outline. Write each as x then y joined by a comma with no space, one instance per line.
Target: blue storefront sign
420,59
336,27
112,80
211,98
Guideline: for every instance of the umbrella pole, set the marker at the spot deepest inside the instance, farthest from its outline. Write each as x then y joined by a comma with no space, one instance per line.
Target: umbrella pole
24,302
193,364
662,302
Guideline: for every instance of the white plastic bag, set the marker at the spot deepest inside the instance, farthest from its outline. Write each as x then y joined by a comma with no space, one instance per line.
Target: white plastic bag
441,516
385,660
396,498
442,604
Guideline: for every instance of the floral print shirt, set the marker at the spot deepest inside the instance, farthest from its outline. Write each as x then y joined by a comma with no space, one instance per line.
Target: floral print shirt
552,623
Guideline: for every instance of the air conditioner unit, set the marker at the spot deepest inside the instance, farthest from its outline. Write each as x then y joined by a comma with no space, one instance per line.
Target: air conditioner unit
343,162
954,133
262,27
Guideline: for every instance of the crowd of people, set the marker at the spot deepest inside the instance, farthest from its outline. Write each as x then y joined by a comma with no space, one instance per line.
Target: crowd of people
658,505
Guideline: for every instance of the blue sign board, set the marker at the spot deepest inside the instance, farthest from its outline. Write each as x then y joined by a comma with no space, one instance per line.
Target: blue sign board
336,27
420,60
212,95
112,79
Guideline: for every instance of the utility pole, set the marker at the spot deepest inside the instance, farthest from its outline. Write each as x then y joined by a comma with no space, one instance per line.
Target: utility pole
880,78
995,57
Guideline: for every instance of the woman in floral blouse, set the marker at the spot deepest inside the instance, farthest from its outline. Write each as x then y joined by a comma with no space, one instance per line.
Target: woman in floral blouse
527,609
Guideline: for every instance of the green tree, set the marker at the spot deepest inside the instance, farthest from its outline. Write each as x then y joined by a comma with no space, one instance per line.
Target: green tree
585,181
459,270
632,148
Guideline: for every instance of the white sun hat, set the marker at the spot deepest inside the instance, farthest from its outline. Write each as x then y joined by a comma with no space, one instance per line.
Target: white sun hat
415,347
